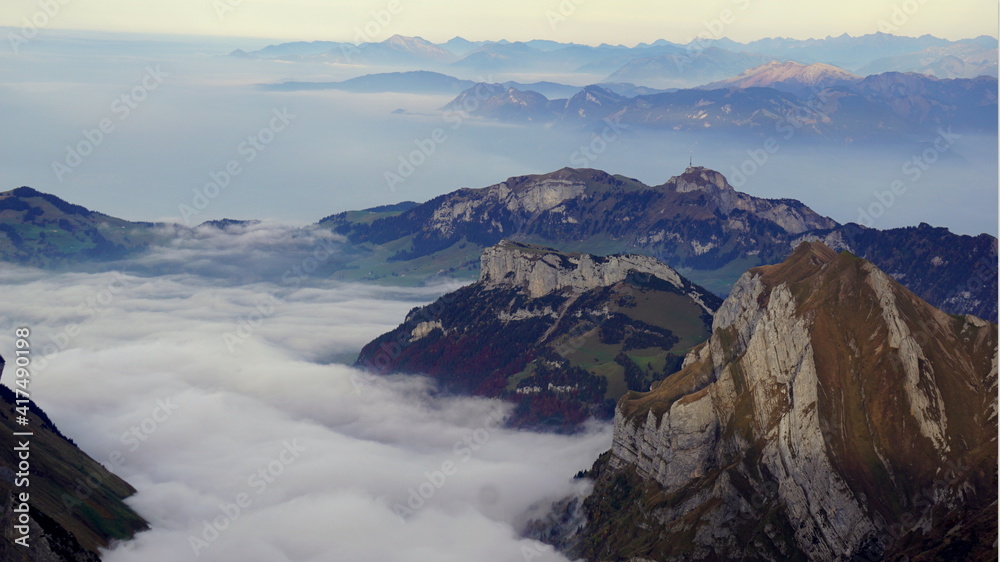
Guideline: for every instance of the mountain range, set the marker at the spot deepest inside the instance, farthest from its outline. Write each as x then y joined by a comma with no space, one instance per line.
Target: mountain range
823,411
816,102
696,223
661,64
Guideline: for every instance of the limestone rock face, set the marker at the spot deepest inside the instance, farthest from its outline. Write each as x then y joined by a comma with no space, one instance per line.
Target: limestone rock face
546,194
818,421
542,271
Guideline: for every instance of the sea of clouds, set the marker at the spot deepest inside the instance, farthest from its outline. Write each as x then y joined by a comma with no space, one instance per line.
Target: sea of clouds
259,449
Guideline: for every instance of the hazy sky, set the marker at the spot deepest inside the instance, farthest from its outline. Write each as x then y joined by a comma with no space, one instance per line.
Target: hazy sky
584,21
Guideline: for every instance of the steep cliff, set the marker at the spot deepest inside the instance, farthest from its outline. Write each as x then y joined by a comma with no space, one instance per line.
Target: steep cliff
832,415
562,334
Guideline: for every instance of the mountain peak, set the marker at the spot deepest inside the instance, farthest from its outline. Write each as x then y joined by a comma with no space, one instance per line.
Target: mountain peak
808,259
398,39
558,333
788,76
826,387
25,192
699,178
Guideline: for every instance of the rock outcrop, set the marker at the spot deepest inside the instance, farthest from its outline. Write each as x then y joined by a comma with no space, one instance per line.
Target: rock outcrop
542,271
562,334
832,415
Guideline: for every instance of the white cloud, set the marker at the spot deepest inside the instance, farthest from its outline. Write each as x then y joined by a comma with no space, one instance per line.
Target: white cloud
148,374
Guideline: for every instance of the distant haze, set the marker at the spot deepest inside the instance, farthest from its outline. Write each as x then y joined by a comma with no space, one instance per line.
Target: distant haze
341,452
335,151
582,21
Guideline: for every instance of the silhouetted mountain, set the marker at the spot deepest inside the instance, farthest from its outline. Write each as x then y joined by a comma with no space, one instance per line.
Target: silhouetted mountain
415,82
395,50
843,51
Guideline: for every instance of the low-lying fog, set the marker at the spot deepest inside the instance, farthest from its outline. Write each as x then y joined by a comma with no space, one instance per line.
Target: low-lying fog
218,396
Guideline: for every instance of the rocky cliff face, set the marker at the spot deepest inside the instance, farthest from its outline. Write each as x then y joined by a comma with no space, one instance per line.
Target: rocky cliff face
832,415
542,271
562,334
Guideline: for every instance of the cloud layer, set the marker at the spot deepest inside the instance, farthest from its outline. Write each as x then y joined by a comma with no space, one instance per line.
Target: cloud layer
253,450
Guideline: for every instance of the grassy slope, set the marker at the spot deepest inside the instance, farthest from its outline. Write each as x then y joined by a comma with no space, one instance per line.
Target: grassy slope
61,474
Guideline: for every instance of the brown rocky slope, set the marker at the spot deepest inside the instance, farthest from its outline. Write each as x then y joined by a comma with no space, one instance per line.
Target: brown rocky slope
832,415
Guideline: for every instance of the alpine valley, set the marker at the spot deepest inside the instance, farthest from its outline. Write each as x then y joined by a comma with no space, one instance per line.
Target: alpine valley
839,403
470,304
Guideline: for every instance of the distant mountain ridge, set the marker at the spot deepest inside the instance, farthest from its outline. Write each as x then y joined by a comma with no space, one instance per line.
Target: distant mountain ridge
645,63
959,60
687,69
427,82
818,102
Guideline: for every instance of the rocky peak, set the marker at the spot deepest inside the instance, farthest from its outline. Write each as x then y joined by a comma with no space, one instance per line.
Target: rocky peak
542,271
698,178
828,402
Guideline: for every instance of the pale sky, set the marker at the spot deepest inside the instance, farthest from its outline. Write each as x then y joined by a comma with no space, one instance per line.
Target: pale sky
583,21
